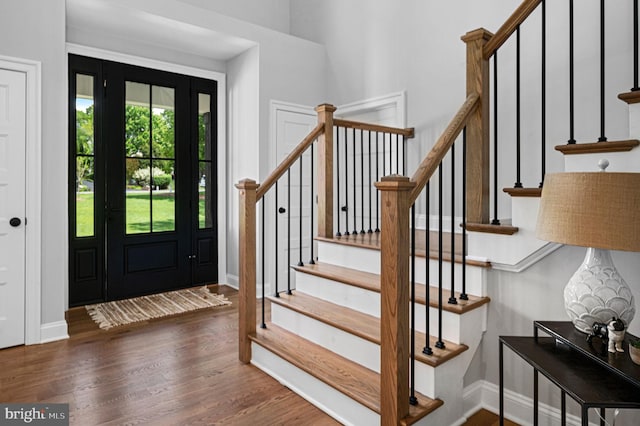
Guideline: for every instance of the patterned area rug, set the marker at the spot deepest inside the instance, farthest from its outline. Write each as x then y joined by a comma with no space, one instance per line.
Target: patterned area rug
121,312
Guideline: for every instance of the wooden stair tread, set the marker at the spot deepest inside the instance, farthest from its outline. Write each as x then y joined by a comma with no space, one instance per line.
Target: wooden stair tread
492,229
632,97
362,325
372,241
598,147
352,379
523,192
371,282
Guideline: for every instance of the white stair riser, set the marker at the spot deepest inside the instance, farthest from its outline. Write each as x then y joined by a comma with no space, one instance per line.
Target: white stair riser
368,260
345,344
618,161
359,258
335,403
352,297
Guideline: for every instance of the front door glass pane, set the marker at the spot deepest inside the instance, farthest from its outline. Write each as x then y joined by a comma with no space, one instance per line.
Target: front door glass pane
85,132
150,158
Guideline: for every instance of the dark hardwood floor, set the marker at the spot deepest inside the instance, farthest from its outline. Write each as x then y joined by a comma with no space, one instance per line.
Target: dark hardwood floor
173,371
182,370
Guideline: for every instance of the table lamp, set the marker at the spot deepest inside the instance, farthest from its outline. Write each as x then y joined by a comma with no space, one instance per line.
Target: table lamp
600,211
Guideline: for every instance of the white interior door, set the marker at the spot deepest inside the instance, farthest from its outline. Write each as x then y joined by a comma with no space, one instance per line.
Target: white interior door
12,207
295,197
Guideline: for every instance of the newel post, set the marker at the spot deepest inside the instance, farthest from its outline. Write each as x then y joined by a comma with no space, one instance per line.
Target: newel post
394,293
247,266
325,171
478,128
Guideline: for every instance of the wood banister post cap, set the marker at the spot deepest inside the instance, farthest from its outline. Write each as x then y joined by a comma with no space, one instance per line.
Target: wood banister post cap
325,108
478,34
395,183
247,184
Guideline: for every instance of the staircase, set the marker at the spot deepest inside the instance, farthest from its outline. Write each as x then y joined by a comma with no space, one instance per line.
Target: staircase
323,340
346,337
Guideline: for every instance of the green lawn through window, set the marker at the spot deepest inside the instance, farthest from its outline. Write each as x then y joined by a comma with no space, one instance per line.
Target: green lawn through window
138,215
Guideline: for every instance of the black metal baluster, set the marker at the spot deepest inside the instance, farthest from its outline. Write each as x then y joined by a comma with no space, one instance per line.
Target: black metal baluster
404,155
397,155
427,281
371,188
276,243
338,234
361,182
289,230
263,323
452,296
543,95
300,263
635,46
518,183
602,137
412,398
376,189
572,139
495,220
355,185
345,208
440,343
463,293
313,202
384,155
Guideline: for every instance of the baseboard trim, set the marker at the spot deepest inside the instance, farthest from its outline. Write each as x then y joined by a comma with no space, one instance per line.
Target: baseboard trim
232,281
517,407
52,331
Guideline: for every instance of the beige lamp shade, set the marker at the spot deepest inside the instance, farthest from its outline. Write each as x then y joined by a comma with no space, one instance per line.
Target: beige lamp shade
596,209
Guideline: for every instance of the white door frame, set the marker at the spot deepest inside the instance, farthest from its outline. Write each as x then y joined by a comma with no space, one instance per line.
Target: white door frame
33,172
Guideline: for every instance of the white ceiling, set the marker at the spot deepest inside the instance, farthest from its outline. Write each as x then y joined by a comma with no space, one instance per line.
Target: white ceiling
124,21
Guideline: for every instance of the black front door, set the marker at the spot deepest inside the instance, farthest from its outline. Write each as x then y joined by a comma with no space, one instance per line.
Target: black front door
153,182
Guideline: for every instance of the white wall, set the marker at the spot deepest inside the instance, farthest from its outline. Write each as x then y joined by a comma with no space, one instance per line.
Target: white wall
243,100
35,30
375,48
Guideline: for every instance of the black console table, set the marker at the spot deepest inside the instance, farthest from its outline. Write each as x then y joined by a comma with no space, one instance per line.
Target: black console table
591,377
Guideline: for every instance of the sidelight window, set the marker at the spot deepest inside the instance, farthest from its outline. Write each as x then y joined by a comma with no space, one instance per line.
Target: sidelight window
85,156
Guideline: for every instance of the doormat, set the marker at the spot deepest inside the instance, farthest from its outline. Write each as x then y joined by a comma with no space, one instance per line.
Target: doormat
121,312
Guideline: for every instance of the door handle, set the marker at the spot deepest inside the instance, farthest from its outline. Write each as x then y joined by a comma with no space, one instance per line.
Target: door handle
15,222
282,210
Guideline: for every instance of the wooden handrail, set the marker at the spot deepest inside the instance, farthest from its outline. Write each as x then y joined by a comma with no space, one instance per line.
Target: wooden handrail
288,161
509,27
409,132
440,149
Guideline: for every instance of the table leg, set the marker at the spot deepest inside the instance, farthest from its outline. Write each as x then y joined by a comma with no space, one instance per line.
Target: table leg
535,397
563,408
501,384
603,416
585,416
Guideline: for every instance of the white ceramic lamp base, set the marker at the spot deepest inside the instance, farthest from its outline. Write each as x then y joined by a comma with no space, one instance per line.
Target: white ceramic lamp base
597,293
